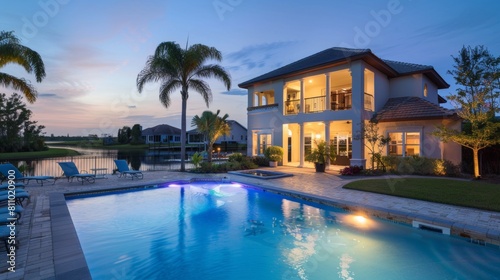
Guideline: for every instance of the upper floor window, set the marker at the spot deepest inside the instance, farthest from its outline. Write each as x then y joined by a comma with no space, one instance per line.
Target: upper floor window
425,90
369,90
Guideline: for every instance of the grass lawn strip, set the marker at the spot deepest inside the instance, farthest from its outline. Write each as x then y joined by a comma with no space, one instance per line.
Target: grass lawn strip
475,194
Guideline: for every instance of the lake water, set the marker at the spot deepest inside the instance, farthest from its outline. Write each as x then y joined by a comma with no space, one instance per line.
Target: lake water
148,160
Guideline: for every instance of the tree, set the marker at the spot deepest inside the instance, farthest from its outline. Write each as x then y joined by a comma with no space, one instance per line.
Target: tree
17,131
212,126
124,135
11,51
176,68
374,141
136,134
476,72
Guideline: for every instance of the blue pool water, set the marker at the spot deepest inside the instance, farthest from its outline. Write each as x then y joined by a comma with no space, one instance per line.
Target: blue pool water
228,231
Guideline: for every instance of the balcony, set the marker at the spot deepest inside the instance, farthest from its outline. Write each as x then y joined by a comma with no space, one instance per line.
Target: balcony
292,107
314,104
341,100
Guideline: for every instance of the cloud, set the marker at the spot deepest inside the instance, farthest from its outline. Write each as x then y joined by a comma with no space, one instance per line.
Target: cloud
235,91
258,56
49,95
132,106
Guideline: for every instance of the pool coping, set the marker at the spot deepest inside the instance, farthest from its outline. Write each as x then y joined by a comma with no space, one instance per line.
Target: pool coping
69,260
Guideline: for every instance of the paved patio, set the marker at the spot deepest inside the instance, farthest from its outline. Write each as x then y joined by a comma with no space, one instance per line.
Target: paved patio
35,255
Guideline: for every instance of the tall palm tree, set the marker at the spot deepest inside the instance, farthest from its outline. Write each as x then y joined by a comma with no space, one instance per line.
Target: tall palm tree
212,127
175,67
11,51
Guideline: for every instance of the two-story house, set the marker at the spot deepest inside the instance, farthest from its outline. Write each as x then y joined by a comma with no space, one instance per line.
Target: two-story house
331,94
162,133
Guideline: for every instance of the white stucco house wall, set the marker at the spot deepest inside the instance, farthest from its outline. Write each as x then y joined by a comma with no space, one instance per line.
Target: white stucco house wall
331,94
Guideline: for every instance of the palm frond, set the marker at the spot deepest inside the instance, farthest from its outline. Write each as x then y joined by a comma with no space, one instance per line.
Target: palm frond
22,85
166,89
214,71
202,88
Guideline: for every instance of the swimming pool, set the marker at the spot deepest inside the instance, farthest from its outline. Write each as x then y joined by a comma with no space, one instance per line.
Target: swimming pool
228,231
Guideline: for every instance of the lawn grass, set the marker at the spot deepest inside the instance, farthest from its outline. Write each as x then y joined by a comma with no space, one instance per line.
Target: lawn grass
475,194
51,152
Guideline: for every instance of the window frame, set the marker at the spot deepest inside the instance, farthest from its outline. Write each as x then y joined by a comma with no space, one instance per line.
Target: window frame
404,142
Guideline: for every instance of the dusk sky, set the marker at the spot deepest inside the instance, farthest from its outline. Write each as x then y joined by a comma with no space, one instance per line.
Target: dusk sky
93,50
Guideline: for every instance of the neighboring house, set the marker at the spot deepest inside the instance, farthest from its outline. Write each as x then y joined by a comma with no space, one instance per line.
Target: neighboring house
238,135
329,95
162,133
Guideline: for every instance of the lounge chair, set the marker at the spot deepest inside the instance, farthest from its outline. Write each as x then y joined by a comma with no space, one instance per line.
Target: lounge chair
19,197
8,167
6,186
71,171
125,171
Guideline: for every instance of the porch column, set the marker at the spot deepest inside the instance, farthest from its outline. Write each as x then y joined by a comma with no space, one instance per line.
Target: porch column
327,93
358,85
260,98
301,145
327,139
302,103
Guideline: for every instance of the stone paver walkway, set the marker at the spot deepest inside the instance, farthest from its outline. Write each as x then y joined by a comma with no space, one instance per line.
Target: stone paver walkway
35,255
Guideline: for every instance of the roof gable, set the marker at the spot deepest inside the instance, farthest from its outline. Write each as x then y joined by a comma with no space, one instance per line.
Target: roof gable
412,108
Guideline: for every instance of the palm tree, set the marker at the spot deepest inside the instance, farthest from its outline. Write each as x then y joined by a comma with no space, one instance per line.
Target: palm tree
176,68
11,51
212,127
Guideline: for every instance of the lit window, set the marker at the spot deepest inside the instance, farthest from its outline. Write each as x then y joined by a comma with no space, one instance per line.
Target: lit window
425,90
404,143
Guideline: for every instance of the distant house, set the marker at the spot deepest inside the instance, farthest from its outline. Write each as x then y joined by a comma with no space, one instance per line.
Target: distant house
238,135
329,96
162,133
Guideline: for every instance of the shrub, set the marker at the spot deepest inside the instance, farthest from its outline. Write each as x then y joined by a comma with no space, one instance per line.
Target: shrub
417,165
351,170
236,157
274,153
260,161
197,158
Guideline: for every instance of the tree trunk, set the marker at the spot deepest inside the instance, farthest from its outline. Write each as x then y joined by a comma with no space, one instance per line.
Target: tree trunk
476,163
210,150
183,129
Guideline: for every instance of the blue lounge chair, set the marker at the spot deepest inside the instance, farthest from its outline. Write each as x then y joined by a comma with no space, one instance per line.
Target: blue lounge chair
71,171
125,171
19,197
6,186
8,167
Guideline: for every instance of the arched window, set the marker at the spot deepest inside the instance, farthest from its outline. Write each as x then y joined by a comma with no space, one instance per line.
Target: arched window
425,90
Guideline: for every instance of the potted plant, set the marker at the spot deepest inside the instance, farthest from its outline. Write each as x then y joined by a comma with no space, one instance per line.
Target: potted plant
274,154
320,154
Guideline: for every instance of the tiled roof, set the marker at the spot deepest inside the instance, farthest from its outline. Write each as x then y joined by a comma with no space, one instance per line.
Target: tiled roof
162,129
412,108
334,55
327,56
406,68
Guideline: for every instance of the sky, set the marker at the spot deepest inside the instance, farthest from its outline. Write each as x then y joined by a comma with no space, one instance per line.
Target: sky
93,50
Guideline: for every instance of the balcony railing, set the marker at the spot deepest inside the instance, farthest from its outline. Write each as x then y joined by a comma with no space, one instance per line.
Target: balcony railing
341,101
292,107
314,104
